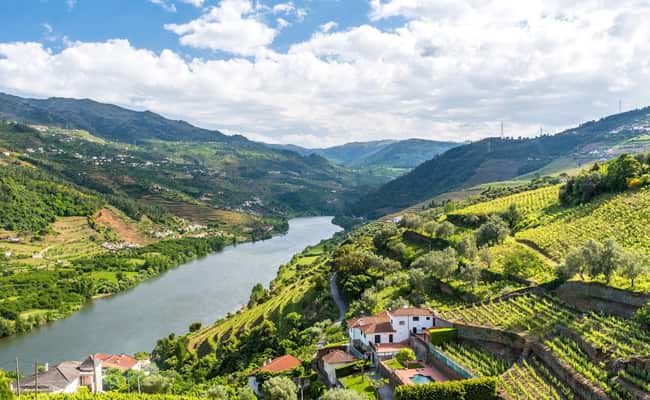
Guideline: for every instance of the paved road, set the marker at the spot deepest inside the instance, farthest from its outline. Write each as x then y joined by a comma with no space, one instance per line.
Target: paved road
340,303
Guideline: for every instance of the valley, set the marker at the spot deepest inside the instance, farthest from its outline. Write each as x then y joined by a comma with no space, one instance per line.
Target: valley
516,260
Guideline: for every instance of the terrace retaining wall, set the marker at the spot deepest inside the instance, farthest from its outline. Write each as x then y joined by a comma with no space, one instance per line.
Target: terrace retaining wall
578,383
601,298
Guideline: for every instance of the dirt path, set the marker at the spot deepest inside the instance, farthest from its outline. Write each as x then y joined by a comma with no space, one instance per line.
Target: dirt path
340,303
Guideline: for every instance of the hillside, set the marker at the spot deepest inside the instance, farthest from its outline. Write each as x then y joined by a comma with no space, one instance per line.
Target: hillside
493,159
104,120
398,154
494,266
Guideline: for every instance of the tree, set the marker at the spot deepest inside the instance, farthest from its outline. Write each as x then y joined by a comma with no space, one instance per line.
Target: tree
472,274
343,394
573,264
631,266
280,388
430,227
195,326
246,393
410,221
492,232
115,381
404,356
218,392
512,216
467,248
5,391
621,170
445,230
440,264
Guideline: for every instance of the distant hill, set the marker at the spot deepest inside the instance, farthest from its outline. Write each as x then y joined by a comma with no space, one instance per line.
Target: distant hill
496,159
105,120
404,154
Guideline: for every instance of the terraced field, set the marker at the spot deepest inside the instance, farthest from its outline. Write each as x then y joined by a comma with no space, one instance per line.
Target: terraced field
532,380
624,217
533,201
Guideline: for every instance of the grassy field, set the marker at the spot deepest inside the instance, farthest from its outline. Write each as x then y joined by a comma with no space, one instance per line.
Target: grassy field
359,383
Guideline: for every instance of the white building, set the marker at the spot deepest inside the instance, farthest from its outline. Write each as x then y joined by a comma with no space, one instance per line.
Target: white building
66,377
393,326
333,360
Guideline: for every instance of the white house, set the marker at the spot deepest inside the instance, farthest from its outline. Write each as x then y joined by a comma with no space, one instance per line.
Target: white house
392,326
66,377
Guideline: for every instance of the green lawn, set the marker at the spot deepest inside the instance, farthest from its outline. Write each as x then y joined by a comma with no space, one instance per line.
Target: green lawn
359,383
393,363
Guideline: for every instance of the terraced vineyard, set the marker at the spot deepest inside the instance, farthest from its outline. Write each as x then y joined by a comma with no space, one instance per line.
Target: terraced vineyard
636,377
526,312
570,351
614,336
624,217
532,201
480,362
532,380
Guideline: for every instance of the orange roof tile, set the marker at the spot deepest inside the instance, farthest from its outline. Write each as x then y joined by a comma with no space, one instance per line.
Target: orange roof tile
338,357
412,312
281,364
121,361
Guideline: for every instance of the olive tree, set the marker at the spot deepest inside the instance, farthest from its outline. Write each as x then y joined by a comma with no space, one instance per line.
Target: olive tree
280,388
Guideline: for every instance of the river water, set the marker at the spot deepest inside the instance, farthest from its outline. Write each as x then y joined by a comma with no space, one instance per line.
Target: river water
203,290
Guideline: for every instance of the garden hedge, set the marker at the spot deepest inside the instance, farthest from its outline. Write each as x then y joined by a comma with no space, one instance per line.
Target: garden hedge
468,389
438,336
352,368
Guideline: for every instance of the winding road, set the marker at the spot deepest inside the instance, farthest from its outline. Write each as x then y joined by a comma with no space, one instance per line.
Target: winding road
340,303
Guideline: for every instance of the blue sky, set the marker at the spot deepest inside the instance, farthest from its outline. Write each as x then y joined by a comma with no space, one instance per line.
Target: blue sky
324,72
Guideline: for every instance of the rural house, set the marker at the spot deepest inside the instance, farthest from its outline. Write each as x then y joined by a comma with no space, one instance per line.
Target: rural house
278,365
66,377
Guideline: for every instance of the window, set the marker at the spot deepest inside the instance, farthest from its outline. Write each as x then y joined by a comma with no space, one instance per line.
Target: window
402,322
416,318
377,338
390,338
428,318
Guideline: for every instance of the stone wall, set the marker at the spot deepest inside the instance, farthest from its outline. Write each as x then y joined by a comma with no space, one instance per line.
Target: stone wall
578,384
601,298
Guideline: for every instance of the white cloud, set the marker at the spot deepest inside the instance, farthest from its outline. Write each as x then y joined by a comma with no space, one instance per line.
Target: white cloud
446,73
233,27
195,3
329,26
166,5
71,4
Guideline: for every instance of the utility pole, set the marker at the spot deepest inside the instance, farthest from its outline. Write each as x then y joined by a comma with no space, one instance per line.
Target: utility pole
620,106
17,377
36,379
501,129
138,374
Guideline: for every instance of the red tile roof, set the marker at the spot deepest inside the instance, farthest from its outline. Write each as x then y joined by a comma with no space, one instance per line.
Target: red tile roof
338,357
121,361
379,323
281,364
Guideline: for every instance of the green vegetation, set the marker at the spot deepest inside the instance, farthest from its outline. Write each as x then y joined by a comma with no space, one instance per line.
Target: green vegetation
108,396
480,362
5,391
532,380
495,159
360,383
439,336
468,389
57,292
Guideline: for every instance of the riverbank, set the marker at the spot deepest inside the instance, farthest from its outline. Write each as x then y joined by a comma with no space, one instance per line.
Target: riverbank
202,290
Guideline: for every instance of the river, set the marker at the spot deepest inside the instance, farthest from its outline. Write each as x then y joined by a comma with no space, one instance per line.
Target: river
203,290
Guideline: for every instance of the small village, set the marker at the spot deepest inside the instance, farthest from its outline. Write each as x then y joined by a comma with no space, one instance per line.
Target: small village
386,350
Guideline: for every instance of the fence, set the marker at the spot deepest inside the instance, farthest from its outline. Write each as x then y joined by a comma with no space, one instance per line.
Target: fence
449,362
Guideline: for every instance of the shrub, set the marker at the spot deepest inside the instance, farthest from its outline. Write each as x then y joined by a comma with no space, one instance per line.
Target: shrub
405,355
5,391
469,389
442,335
352,368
